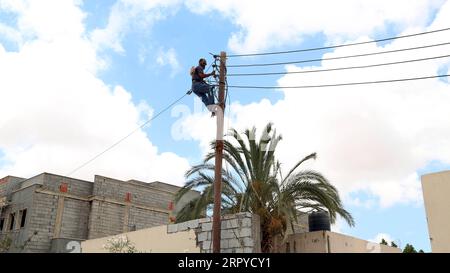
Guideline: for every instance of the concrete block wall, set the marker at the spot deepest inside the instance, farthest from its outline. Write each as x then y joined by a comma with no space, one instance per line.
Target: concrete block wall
301,226
42,219
86,210
9,184
140,193
109,218
35,180
112,213
163,186
105,219
76,187
41,196
240,233
74,210
19,200
141,218
75,219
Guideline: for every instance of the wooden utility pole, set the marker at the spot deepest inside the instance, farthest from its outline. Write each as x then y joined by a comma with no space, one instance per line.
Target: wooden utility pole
219,155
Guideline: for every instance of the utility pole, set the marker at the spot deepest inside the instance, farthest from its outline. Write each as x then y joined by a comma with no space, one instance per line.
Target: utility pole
219,155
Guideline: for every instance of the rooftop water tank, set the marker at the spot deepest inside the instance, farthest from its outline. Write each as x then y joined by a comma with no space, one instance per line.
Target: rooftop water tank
319,220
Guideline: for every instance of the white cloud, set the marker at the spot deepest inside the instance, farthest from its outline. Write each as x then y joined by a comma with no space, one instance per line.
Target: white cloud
128,15
380,236
338,225
169,57
56,114
356,201
10,34
53,25
369,138
266,24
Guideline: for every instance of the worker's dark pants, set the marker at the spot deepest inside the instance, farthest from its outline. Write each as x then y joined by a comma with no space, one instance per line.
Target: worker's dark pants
204,91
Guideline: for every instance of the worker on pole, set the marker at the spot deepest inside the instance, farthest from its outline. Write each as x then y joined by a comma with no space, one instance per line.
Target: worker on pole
201,88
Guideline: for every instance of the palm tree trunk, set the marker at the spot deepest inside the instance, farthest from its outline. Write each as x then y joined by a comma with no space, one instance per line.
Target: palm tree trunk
267,238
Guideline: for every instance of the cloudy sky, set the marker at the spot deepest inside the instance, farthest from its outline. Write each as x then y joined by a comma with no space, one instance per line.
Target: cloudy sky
76,76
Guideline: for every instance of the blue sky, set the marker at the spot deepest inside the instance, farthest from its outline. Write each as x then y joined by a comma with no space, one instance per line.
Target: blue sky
373,142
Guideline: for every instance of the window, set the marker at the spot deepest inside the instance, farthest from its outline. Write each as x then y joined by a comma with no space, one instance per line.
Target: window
23,218
2,223
12,217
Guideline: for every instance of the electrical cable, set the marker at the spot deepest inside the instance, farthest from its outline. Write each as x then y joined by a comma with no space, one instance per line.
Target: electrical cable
337,69
340,57
127,136
338,46
337,84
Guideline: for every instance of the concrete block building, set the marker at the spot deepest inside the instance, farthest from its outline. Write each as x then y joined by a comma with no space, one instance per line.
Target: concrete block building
43,213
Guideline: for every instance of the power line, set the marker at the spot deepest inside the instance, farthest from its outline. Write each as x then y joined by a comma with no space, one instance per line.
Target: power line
340,57
338,46
127,136
336,84
336,69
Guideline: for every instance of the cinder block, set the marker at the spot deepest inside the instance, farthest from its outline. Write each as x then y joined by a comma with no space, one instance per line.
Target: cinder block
172,228
234,243
233,223
227,234
248,242
246,222
204,220
206,245
238,250
248,250
193,224
206,226
202,236
224,225
245,232
183,226
228,217
224,244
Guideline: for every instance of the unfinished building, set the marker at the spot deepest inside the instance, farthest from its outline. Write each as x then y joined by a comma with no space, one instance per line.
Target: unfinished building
43,213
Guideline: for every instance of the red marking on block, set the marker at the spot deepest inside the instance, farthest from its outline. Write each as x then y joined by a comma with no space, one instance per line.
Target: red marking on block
128,197
170,207
64,187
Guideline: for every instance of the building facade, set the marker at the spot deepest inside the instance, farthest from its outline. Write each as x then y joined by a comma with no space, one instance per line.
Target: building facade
240,233
325,241
43,213
436,192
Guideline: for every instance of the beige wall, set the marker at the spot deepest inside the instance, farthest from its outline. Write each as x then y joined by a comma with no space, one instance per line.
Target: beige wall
331,242
436,193
154,240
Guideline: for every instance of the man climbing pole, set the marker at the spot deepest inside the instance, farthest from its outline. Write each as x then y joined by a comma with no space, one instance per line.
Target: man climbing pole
201,88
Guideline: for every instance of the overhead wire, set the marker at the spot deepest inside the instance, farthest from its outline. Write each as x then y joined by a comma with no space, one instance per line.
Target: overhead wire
337,84
292,87
339,46
127,136
337,69
340,57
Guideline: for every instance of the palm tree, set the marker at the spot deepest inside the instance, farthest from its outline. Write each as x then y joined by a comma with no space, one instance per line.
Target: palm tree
255,183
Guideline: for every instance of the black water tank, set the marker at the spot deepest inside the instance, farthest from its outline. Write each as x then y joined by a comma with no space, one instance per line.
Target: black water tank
319,220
